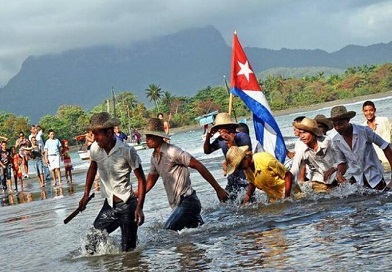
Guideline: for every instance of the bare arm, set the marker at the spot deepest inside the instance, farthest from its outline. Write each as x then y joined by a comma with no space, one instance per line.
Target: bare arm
141,186
91,173
207,145
388,154
342,167
250,189
288,182
151,181
221,193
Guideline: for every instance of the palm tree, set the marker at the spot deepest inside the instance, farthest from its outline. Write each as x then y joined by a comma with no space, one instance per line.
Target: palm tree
167,99
154,92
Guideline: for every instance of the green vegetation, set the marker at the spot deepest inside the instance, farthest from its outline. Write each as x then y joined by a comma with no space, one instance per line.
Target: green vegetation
281,93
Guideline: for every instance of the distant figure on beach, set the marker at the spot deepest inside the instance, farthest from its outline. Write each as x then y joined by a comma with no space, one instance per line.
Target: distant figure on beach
165,123
380,125
16,161
318,155
20,144
119,134
6,166
89,139
36,155
228,137
66,158
354,146
172,164
262,170
114,160
135,136
52,157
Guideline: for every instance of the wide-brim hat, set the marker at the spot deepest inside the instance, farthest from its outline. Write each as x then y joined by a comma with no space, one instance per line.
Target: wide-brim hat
234,156
322,119
309,125
102,120
340,112
156,127
222,120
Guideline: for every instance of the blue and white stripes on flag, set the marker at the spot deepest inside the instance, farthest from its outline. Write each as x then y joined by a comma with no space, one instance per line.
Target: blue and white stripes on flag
245,85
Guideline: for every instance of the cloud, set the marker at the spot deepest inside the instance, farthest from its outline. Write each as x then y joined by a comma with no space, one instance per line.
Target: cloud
33,27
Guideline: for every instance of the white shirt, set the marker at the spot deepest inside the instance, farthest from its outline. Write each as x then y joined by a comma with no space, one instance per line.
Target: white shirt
361,158
114,170
383,128
319,161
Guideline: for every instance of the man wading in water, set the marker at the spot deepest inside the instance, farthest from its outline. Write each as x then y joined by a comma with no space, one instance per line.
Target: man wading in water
114,161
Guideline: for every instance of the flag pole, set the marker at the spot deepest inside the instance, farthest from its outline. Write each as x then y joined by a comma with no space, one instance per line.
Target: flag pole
231,109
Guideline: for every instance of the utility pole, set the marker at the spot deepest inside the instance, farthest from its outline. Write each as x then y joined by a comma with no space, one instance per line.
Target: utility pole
114,102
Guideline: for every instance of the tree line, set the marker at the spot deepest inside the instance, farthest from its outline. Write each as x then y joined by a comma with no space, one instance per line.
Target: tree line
281,93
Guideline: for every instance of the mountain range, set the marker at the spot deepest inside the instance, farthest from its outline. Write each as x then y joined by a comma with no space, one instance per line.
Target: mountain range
182,64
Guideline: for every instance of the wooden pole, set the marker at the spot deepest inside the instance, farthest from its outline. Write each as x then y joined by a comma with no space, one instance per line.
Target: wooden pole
231,109
230,103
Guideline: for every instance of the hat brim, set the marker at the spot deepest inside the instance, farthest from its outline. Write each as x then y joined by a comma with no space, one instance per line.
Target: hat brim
215,128
313,130
346,115
108,124
231,168
157,133
326,122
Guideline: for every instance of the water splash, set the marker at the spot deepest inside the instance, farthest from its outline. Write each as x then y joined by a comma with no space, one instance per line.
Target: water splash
99,242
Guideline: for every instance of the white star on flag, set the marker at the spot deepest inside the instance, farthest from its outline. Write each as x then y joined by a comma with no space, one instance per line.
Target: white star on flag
245,70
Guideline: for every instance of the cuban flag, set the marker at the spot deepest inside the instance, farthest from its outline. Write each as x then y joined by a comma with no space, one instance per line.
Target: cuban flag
245,85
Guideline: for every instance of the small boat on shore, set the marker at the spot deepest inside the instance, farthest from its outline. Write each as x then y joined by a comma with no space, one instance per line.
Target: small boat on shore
84,155
140,146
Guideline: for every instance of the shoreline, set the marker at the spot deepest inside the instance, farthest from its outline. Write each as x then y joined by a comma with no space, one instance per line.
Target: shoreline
301,109
332,103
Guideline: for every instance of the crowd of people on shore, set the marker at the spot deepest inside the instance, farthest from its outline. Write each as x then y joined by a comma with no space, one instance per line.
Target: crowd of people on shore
45,157
322,160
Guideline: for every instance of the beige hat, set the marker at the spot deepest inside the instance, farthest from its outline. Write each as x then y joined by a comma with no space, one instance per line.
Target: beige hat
222,120
320,118
234,156
340,112
309,125
156,127
102,120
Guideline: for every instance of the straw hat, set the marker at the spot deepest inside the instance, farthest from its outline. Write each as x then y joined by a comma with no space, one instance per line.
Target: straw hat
340,112
156,127
222,120
102,120
309,125
321,119
234,156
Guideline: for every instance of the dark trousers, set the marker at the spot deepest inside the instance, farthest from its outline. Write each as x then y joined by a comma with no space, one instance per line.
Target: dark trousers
186,215
6,175
121,215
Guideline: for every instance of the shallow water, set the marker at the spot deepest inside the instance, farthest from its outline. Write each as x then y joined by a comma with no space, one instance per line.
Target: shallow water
346,230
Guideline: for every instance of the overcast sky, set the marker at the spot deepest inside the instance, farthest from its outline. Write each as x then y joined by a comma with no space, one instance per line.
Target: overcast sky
36,27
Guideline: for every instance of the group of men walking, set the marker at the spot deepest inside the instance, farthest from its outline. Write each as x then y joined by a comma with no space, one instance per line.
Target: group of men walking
347,157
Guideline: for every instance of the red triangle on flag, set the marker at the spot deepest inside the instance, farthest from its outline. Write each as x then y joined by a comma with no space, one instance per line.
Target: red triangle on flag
242,75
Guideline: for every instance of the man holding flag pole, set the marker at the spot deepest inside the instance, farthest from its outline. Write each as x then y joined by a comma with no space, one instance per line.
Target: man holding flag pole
245,85
263,170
